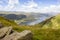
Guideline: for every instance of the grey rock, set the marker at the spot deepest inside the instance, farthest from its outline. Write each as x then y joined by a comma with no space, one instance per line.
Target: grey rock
4,31
25,35
7,33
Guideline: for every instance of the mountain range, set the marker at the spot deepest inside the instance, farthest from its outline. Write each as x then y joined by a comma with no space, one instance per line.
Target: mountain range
46,30
25,18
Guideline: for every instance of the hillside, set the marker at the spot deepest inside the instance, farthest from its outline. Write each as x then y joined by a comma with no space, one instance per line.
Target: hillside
53,23
13,16
7,23
49,31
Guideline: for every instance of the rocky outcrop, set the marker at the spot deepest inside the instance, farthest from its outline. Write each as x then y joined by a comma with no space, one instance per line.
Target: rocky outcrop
4,31
7,33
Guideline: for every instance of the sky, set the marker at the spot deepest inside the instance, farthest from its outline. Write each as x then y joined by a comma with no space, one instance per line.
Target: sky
42,6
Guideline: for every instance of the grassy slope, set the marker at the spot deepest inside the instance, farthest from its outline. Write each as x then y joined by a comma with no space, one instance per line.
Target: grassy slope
54,23
7,23
49,31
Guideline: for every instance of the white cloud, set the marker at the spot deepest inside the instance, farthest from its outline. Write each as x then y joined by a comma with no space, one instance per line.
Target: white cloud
1,7
27,7
12,4
31,6
51,8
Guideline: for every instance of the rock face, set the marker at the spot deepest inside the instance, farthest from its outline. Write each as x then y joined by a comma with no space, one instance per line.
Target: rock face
4,31
7,33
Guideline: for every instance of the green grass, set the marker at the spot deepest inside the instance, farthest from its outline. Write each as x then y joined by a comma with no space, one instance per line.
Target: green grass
49,31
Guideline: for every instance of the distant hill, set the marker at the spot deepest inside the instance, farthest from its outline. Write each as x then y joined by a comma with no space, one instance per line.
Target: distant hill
13,16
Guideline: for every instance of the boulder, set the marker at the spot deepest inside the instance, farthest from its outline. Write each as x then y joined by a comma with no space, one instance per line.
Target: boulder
25,35
4,31
7,33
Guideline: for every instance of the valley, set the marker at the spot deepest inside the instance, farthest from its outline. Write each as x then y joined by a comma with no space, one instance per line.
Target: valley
26,18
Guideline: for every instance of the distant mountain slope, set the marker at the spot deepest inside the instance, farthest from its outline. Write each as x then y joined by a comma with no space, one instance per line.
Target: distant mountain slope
53,22
13,16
